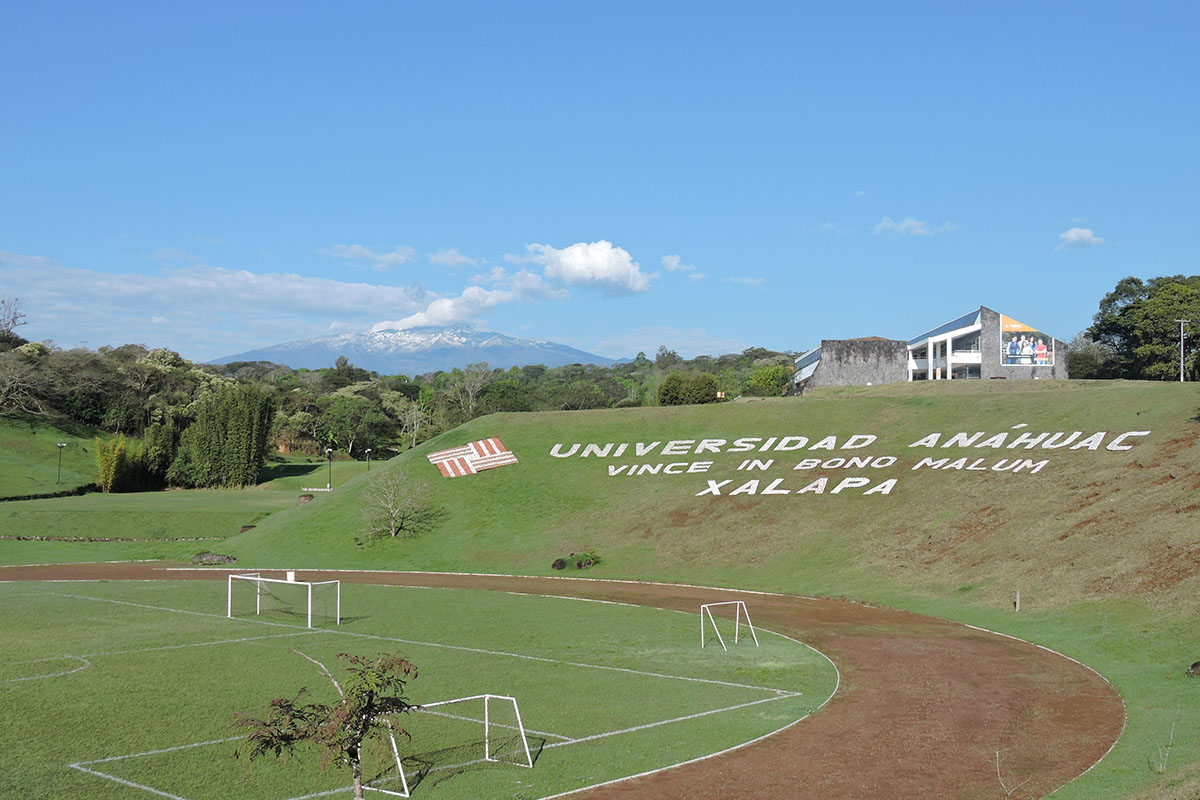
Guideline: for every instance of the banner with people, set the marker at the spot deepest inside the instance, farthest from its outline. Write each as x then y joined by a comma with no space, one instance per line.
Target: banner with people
1021,345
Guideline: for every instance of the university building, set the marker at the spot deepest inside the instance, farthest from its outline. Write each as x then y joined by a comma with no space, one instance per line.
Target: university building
980,344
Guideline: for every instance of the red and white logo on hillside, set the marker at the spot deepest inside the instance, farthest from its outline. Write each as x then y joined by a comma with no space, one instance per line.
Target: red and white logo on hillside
472,458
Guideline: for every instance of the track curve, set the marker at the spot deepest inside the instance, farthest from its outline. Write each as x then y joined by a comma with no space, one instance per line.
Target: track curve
924,705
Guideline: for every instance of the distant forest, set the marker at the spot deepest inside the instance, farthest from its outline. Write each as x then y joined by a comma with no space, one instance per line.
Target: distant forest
187,424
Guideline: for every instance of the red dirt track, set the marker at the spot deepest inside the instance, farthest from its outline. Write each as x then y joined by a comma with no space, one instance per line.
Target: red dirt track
923,706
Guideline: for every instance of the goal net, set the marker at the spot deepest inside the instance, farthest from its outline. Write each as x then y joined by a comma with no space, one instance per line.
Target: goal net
284,599
453,736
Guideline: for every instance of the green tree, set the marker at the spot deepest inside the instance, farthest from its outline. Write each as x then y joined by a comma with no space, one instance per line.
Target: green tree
767,381
369,699
701,388
1137,323
355,422
673,390
226,445
1087,359
666,358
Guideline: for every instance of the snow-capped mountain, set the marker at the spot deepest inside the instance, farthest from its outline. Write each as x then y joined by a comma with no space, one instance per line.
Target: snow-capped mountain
415,351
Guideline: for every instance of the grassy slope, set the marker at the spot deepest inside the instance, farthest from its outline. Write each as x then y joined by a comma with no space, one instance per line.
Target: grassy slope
29,457
1102,545
1078,530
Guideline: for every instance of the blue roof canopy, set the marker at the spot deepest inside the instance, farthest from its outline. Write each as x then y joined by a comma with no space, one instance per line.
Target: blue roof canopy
965,320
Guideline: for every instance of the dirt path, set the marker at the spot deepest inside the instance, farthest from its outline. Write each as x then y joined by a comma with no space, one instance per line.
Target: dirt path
923,707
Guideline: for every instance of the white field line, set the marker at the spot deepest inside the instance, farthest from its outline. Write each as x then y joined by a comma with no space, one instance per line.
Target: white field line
157,752
780,693
84,658
448,715
660,723
84,665
124,782
199,644
1124,707
581,665
82,766
460,648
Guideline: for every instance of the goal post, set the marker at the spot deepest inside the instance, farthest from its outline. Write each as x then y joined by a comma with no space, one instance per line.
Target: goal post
454,735
740,612
503,731
284,594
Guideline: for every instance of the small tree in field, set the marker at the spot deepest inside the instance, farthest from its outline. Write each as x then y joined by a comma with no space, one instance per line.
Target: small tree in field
393,508
368,700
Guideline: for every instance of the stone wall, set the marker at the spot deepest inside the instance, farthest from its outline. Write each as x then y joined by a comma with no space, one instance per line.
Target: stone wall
859,362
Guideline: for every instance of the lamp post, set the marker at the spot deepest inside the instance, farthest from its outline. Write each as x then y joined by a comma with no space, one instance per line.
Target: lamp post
368,459
329,455
1182,335
61,445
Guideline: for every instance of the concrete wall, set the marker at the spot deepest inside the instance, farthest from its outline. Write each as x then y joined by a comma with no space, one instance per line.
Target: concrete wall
993,366
857,362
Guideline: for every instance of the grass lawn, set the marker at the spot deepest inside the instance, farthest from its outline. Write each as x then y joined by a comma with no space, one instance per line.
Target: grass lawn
149,676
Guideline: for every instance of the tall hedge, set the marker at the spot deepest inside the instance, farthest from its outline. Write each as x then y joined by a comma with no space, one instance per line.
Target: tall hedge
226,445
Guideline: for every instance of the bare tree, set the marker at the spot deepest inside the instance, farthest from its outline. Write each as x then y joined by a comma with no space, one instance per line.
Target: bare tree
18,386
369,700
468,383
413,419
11,315
393,508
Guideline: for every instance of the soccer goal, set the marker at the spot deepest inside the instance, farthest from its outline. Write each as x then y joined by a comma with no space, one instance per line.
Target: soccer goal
287,597
739,613
454,736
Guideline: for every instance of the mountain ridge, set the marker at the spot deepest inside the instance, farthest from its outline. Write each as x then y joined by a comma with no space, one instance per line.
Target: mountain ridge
418,350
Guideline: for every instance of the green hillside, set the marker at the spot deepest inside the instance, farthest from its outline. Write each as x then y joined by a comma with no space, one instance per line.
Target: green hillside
1087,524
29,457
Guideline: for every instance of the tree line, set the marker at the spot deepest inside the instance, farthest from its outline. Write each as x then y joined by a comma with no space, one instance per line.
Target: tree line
1135,334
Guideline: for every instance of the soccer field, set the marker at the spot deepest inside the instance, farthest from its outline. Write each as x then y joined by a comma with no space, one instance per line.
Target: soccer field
128,690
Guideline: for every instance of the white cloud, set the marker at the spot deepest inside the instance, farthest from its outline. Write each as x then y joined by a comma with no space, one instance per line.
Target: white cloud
445,311
476,300
380,261
747,280
672,264
452,258
696,276
1079,237
597,264
910,227
200,310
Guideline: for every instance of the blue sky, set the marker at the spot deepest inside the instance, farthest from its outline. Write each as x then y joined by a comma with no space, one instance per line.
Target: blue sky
213,177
